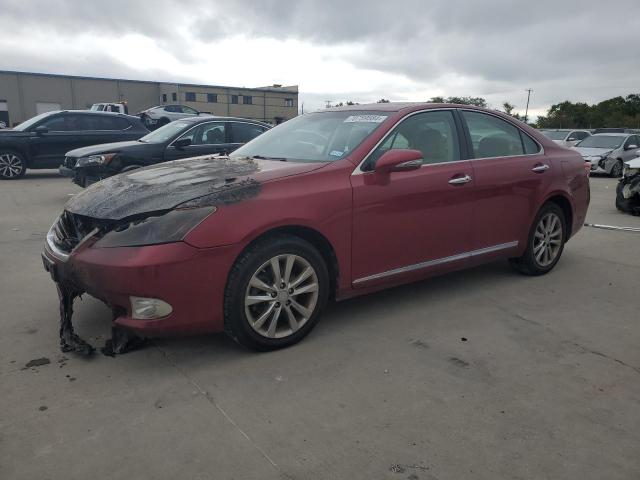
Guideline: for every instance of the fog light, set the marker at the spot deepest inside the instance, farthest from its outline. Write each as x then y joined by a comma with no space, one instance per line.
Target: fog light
149,308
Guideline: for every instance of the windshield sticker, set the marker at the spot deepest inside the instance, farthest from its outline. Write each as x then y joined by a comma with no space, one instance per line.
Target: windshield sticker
365,118
336,153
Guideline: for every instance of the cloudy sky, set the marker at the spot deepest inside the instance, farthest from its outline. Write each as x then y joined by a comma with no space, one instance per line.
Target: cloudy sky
340,50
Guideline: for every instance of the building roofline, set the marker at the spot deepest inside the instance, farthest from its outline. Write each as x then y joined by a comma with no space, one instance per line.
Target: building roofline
287,89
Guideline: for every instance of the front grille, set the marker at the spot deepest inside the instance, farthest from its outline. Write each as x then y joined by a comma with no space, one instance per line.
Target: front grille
70,229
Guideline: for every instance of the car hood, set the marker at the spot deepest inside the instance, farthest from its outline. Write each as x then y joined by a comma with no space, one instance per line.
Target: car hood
106,148
208,181
592,152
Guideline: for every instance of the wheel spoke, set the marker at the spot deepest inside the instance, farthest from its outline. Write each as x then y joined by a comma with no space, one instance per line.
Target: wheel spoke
540,254
303,310
288,267
312,287
293,323
306,273
262,318
260,285
274,322
275,268
538,247
253,299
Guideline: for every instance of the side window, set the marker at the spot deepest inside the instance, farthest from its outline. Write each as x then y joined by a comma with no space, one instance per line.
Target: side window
78,123
56,124
530,147
632,140
105,122
173,109
189,110
433,133
581,135
492,136
209,134
243,132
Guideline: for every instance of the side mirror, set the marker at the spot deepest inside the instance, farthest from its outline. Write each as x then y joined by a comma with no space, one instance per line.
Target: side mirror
41,130
572,139
182,142
631,147
399,160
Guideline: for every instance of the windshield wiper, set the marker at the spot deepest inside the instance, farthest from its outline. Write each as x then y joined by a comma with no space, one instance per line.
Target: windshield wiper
262,157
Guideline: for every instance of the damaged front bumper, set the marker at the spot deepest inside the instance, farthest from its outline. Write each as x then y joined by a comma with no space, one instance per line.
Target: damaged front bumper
190,280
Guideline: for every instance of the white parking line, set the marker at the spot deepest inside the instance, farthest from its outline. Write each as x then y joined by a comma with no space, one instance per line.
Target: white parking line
613,227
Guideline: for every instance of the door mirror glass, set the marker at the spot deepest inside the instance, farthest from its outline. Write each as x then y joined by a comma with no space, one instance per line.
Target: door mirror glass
631,147
182,142
41,130
399,160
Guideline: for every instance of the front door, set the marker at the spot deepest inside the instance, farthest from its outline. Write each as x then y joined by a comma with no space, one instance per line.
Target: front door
206,139
511,174
408,224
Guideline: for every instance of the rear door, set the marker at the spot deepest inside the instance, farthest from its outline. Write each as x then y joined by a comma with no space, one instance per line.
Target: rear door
511,174
206,139
407,224
243,132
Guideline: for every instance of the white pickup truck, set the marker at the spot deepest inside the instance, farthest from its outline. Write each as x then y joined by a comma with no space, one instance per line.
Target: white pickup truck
118,107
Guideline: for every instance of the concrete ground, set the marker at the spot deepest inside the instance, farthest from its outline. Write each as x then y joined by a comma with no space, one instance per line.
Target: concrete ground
482,374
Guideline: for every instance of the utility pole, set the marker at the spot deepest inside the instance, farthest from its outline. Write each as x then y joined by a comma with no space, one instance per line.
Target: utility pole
526,112
327,103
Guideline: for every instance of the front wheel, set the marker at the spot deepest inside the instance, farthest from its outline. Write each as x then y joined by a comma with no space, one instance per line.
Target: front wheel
546,242
12,165
275,293
616,170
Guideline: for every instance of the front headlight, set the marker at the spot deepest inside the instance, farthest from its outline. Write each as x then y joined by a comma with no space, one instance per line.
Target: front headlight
169,227
95,160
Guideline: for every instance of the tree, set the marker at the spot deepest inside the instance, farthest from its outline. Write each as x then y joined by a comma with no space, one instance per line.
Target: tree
477,101
383,100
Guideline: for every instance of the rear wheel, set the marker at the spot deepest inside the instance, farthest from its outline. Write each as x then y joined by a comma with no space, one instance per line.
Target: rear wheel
12,165
275,293
546,242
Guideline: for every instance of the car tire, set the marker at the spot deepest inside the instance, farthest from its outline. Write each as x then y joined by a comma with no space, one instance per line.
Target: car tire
545,244
13,165
262,315
616,170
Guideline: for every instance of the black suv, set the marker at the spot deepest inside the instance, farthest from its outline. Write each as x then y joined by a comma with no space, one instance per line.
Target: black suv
42,141
187,137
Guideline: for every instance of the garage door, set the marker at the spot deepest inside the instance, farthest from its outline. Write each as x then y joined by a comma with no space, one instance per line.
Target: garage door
43,107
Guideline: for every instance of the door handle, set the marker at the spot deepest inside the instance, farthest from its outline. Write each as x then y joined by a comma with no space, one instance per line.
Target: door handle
540,168
460,180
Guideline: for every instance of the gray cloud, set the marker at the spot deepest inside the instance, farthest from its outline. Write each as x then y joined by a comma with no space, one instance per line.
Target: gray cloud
563,50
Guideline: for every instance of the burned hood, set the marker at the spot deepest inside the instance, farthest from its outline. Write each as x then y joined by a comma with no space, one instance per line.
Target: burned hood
212,180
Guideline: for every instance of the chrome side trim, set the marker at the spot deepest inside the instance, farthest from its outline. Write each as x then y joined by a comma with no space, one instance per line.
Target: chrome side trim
437,261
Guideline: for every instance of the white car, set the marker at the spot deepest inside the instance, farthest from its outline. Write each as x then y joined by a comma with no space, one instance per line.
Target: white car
155,117
118,107
566,137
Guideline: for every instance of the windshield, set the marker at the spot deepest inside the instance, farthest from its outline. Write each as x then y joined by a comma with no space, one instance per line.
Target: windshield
601,141
32,121
553,135
166,133
315,137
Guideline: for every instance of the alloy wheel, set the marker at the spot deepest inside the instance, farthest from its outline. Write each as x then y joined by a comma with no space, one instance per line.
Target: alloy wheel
548,238
10,165
281,296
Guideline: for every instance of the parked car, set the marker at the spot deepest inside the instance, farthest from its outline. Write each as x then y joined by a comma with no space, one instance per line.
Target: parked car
42,141
607,152
331,204
628,189
566,138
159,116
189,137
118,107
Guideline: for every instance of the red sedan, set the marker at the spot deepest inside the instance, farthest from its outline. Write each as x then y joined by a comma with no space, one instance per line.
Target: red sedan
328,205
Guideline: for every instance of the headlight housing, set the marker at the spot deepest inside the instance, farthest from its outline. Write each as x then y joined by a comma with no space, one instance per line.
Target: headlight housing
167,227
95,160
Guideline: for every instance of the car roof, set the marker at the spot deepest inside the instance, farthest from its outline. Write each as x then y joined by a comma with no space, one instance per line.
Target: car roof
96,112
613,134
407,107
205,117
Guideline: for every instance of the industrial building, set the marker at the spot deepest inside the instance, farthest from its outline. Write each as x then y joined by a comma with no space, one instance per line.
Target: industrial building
24,95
